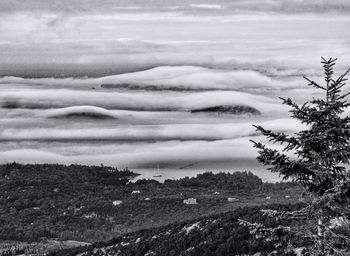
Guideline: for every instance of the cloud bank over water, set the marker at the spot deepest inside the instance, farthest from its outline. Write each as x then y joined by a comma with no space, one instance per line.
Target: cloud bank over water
170,154
148,65
195,78
152,101
137,133
175,78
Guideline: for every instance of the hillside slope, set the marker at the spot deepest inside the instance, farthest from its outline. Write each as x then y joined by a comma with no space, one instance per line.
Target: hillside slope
219,235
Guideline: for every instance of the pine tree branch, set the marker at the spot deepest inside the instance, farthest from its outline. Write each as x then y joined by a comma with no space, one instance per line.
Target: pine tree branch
279,137
314,84
336,86
278,162
290,103
337,238
328,69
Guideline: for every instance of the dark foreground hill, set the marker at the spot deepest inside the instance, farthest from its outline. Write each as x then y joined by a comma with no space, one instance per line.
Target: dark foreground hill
217,235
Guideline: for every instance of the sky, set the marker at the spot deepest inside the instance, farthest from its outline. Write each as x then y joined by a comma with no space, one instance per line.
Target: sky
96,38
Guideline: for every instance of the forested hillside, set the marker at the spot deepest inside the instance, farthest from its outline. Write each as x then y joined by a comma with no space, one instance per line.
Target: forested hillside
216,235
97,203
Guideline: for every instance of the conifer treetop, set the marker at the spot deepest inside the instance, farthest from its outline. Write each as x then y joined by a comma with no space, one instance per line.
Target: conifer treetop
317,159
321,150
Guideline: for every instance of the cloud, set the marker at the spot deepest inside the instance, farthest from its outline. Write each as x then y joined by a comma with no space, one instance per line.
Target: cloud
160,132
195,78
94,35
80,111
56,98
169,154
84,6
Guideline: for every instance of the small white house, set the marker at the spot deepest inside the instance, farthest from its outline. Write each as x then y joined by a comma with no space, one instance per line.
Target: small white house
190,201
232,199
216,193
147,199
117,202
287,197
136,192
268,197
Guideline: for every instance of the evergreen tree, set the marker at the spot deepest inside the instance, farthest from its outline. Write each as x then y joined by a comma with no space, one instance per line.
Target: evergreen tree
317,159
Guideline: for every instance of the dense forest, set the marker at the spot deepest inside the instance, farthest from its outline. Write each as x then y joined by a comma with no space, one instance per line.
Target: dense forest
96,203
42,200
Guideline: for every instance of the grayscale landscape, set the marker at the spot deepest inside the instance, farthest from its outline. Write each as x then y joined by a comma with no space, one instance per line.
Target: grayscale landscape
167,89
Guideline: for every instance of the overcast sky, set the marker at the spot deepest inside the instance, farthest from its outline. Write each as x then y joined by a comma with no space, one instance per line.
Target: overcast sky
97,6
108,36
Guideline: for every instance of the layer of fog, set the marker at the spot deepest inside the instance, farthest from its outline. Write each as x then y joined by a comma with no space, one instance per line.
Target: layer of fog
138,100
170,154
151,132
169,77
